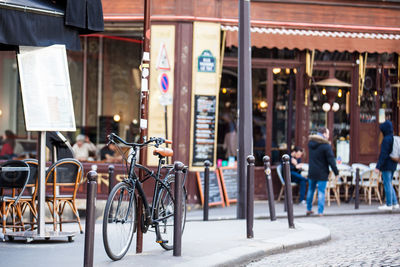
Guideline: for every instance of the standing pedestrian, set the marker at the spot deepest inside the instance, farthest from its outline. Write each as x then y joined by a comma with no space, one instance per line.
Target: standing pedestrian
320,158
387,166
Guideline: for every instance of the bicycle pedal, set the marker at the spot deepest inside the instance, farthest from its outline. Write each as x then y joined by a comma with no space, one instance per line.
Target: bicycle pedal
161,241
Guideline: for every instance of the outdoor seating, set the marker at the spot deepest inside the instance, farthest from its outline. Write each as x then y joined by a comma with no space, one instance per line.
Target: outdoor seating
332,187
64,175
370,182
279,171
28,199
14,175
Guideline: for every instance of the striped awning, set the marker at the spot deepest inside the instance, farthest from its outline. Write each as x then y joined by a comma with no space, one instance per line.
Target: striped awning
317,39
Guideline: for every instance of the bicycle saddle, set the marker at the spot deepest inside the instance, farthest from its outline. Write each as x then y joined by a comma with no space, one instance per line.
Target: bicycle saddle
163,151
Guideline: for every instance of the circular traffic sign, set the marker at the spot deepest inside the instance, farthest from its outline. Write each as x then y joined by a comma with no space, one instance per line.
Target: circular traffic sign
164,83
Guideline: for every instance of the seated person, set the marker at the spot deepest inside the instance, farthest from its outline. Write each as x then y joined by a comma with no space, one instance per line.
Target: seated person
7,150
295,169
110,154
83,147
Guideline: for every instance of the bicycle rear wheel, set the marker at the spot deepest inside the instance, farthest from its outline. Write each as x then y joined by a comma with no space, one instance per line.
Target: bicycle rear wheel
165,213
119,221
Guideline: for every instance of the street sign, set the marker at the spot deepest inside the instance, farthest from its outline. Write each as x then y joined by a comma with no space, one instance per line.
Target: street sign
206,62
164,83
165,99
163,62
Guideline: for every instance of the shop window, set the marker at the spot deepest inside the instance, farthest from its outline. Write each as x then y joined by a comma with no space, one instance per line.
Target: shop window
260,102
333,56
368,98
281,114
121,86
227,116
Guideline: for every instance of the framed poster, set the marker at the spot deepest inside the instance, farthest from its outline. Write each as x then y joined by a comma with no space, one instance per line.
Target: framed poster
204,130
46,89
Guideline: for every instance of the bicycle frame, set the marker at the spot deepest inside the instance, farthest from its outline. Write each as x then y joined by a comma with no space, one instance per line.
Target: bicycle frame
136,183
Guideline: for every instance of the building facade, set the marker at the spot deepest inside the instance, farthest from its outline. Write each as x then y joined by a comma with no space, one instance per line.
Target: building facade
295,44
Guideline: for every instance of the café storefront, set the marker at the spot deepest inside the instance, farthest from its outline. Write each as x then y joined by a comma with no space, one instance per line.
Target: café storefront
298,43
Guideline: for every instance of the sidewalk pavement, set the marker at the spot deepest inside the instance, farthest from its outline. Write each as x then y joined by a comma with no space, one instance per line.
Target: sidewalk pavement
219,242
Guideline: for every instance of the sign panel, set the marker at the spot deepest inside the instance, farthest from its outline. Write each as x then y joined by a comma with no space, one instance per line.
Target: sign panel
229,179
46,89
162,53
205,88
215,192
204,130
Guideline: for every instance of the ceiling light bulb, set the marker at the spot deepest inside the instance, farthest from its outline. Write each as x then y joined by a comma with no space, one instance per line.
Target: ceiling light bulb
323,91
276,70
117,117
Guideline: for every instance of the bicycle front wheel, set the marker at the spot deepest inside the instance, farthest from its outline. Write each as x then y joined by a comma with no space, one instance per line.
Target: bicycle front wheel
119,221
165,213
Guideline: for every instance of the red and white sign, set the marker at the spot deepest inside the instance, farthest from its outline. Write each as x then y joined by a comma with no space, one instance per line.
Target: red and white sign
163,62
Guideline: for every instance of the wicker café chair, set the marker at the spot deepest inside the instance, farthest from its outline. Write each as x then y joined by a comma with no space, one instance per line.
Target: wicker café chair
14,175
28,199
66,175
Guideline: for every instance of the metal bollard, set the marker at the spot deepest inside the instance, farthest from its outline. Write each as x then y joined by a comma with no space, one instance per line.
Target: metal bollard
288,189
178,166
270,189
250,196
207,165
357,190
110,178
90,218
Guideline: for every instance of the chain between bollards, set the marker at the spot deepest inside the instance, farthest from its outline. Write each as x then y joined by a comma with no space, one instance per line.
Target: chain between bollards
178,167
90,218
357,190
207,165
270,189
288,189
110,178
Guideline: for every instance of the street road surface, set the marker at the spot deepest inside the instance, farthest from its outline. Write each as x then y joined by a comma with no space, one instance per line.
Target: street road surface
363,240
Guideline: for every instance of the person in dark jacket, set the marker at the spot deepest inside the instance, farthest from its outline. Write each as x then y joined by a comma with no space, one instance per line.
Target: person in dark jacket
295,172
320,158
387,166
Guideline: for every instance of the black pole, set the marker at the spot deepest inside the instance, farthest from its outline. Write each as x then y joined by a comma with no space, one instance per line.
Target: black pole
288,189
357,189
245,110
290,112
270,189
206,189
178,166
110,178
250,196
90,218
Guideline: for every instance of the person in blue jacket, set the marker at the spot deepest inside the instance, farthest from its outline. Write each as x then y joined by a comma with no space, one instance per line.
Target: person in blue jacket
320,158
387,166
295,172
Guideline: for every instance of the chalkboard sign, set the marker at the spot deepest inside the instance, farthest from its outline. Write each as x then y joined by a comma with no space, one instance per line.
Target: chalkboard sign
215,195
229,180
204,130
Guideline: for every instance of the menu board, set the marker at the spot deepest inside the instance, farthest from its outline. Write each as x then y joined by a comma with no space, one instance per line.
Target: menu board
215,190
46,89
229,180
204,130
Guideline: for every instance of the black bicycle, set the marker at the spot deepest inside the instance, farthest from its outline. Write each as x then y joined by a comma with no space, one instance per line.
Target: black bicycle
120,214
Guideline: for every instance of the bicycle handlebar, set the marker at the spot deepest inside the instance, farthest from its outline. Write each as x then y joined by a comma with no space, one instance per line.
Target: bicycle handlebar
157,140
